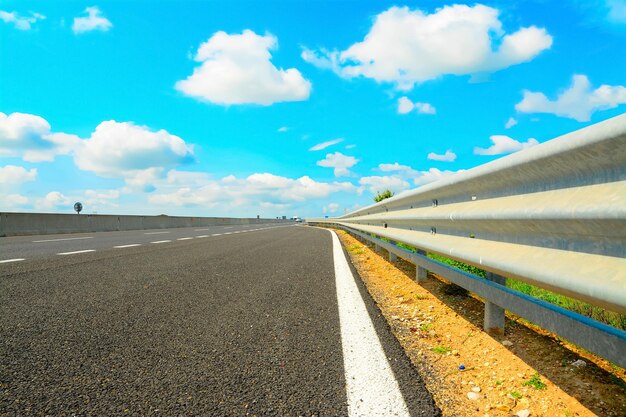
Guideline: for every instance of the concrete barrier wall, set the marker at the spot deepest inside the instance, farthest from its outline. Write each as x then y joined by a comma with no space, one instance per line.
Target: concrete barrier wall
19,224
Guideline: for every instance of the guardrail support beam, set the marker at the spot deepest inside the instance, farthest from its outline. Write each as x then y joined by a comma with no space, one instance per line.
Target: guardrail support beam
494,314
392,256
420,273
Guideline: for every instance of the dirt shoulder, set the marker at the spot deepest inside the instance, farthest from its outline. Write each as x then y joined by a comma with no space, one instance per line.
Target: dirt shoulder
526,372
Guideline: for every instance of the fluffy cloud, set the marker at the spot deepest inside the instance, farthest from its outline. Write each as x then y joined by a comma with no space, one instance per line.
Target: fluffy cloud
504,144
510,123
283,129
257,189
377,184
55,200
578,102
29,137
330,208
449,156
406,106
20,22
237,69
93,21
406,46
13,201
325,145
340,162
134,153
14,175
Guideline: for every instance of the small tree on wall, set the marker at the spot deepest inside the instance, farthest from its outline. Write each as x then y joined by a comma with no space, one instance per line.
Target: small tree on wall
382,196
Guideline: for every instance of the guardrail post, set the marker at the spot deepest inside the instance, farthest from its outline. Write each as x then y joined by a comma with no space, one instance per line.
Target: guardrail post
420,273
494,314
392,256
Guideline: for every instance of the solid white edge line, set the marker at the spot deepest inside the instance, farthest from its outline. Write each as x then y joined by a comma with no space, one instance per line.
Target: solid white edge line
127,246
76,251
58,240
371,387
161,241
184,238
201,230
6,261
155,233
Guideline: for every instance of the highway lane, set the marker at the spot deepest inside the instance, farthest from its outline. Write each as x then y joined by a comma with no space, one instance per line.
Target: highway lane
237,324
17,248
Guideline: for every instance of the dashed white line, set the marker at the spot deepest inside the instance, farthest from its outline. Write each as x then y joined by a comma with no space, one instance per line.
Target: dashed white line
161,241
184,238
6,261
371,387
155,233
216,234
58,240
228,233
201,236
127,246
201,230
76,251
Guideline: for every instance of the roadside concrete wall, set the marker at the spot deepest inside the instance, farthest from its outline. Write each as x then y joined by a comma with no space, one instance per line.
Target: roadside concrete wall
19,224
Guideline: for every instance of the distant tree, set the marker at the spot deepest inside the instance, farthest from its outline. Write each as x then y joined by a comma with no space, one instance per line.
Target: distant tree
382,196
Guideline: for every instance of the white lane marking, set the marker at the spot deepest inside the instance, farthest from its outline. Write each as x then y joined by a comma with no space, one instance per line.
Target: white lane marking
216,234
228,227
228,233
155,233
6,261
371,387
76,251
184,238
201,230
161,241
58,240
201,236
127,246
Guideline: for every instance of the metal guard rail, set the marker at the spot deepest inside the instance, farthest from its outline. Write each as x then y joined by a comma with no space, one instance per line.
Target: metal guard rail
553,216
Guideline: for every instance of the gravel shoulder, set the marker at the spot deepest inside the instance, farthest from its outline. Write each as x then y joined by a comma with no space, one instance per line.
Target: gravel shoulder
526,372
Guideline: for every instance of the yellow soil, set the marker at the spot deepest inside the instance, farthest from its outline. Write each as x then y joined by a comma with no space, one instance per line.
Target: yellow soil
426,321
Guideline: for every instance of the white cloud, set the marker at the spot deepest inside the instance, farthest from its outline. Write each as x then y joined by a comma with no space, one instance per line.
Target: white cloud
510,123
93,21
504,144
350,146
406,106
394,167
15,175
283,129
578,102
325,145
406,46
237,69
134,153
330,208
340,162
449,156
29,137
432,175
55,200
20,22
13,201
378,183
265,189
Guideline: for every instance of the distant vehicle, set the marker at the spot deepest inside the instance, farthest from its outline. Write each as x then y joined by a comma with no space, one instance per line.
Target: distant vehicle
297,219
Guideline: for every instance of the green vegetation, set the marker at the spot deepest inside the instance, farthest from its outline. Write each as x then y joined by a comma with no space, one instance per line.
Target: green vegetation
535,382
515,395
426,327
384,195
498,382
356,249
441,349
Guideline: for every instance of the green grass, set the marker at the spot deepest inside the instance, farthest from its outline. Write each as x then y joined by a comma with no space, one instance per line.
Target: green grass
441,349
515,395
535,382
426,327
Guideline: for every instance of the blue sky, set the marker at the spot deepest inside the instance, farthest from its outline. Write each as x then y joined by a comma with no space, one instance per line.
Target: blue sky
289,108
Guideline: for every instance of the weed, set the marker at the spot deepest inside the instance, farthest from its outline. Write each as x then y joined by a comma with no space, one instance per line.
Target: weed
498,383
426,327
535,382
515,395
421,297
441,349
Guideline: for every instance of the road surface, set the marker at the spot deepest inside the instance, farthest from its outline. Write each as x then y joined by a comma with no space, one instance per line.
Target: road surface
239,320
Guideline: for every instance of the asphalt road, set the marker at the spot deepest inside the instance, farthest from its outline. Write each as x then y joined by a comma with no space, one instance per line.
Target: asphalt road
232,324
